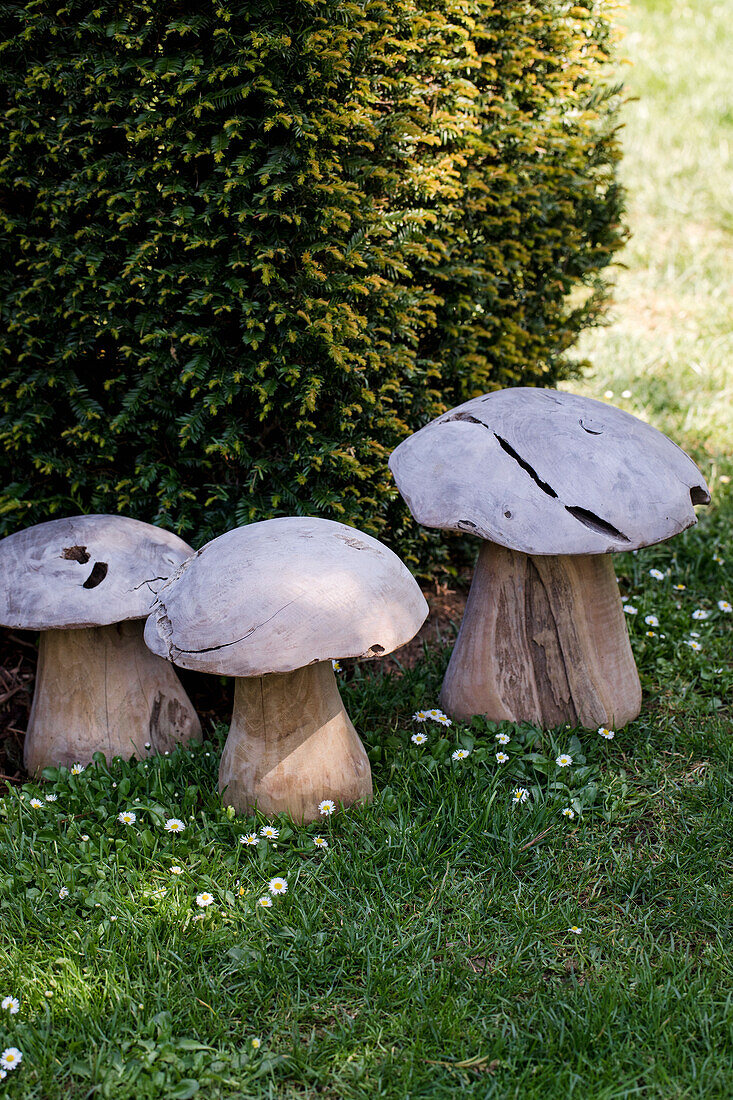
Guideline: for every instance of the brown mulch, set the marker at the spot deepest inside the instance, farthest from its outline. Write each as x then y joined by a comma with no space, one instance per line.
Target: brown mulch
17,674
212,696
447,602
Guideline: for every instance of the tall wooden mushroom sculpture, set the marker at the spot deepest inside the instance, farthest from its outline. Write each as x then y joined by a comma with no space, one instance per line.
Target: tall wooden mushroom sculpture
554,484
86,582
271,604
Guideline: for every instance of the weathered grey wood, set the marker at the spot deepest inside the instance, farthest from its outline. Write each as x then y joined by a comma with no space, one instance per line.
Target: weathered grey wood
100,689
291,745
84,571
547,472
264,601
277,595
543,640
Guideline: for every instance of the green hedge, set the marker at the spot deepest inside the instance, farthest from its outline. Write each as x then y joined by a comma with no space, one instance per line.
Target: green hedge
247,246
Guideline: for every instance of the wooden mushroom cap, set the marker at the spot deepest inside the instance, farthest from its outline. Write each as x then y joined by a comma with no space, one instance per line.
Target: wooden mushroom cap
280,594
548,472
84,571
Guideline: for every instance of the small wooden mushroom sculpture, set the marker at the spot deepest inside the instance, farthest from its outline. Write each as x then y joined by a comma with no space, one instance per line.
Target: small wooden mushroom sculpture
554,484
271,604
86,582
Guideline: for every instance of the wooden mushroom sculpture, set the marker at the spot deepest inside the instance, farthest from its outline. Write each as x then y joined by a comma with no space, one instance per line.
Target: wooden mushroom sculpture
271,604
554,484
86,582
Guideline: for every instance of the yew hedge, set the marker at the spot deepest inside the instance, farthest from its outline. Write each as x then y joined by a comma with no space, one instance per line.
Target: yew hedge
247,246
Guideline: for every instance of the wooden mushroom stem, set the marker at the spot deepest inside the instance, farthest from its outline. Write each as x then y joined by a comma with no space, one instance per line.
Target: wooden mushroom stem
100,689
543,640
291,745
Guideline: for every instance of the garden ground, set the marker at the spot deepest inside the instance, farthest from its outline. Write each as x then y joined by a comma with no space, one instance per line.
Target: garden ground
428,949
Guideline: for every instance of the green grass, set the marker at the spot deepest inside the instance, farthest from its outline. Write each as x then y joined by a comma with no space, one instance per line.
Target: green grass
427,949
426,952
671,340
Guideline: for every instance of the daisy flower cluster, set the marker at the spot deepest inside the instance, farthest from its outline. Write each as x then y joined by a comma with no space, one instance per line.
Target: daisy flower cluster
433,715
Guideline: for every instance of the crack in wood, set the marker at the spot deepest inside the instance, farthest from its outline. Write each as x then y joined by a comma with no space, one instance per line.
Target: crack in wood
505,446
583,515
595,523
76,553
97,575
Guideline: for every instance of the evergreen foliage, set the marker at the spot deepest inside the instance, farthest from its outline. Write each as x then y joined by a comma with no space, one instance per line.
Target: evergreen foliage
248,246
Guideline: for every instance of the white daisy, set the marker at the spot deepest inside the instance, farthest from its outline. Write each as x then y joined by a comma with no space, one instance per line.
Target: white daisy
256,1044
327,807
501,758
723,605
265,902
320,842
12,1004
567,812
36,803
626,393
630,610
277,886
575,928
460,754
270,832
127,817
679,587
10,1058
608,395
418,738
651,620
77,769
420,716
176,870
440,716
250,838
174,825
694,633
204,899
336,666
502,738
651,634
724,479
717,559
693,645
657,574
608,734
563,761
84,836
700,614
51,797
520,794
64,892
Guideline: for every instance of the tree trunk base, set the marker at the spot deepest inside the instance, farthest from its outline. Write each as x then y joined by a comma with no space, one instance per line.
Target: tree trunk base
100,689
543,640
291,745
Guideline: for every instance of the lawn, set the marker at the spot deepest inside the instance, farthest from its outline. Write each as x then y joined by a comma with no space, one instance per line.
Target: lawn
428,948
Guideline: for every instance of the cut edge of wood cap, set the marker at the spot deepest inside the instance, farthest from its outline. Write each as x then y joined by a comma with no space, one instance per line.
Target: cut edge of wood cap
545,472
281,594
84,571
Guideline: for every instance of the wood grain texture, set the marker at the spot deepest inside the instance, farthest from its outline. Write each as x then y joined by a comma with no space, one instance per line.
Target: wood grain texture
84,571
100,689
277,595
291,745
543,640
547,472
